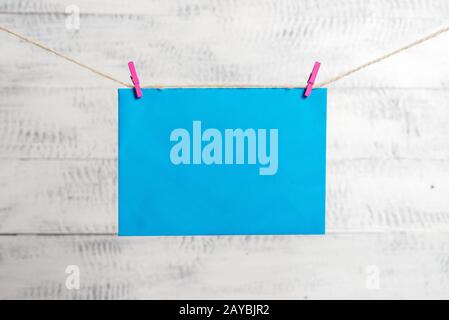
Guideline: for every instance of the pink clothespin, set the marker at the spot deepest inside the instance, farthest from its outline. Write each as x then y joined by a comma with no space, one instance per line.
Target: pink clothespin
312,78
135,79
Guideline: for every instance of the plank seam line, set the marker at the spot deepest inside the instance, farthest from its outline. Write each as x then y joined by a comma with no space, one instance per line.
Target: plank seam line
329,160
55,234
26,87
328,233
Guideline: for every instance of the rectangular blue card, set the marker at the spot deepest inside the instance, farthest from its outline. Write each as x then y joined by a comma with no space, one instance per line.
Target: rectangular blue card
222,162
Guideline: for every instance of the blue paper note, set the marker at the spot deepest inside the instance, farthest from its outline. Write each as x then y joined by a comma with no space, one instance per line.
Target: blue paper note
222,162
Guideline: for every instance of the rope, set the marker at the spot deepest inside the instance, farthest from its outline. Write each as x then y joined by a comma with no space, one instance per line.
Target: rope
377,60
320,84
61,55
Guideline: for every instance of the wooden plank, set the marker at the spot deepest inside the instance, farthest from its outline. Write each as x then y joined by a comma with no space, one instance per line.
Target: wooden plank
400,265
387,148
290,8
80,196
50,123
58,196
203,42
58,124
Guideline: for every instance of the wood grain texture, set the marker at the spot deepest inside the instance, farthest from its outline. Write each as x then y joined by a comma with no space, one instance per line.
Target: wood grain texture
366,195
81,123
201,42
387,151
289,267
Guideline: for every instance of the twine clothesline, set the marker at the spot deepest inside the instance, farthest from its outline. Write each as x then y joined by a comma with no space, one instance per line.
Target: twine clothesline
320,84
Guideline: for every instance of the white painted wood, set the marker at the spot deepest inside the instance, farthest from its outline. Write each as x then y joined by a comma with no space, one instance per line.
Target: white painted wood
58,196
81,123
388,156
290,267
58,123
224,42
366,195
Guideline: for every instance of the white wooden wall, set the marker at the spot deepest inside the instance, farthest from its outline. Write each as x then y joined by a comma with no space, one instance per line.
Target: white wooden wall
388,147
